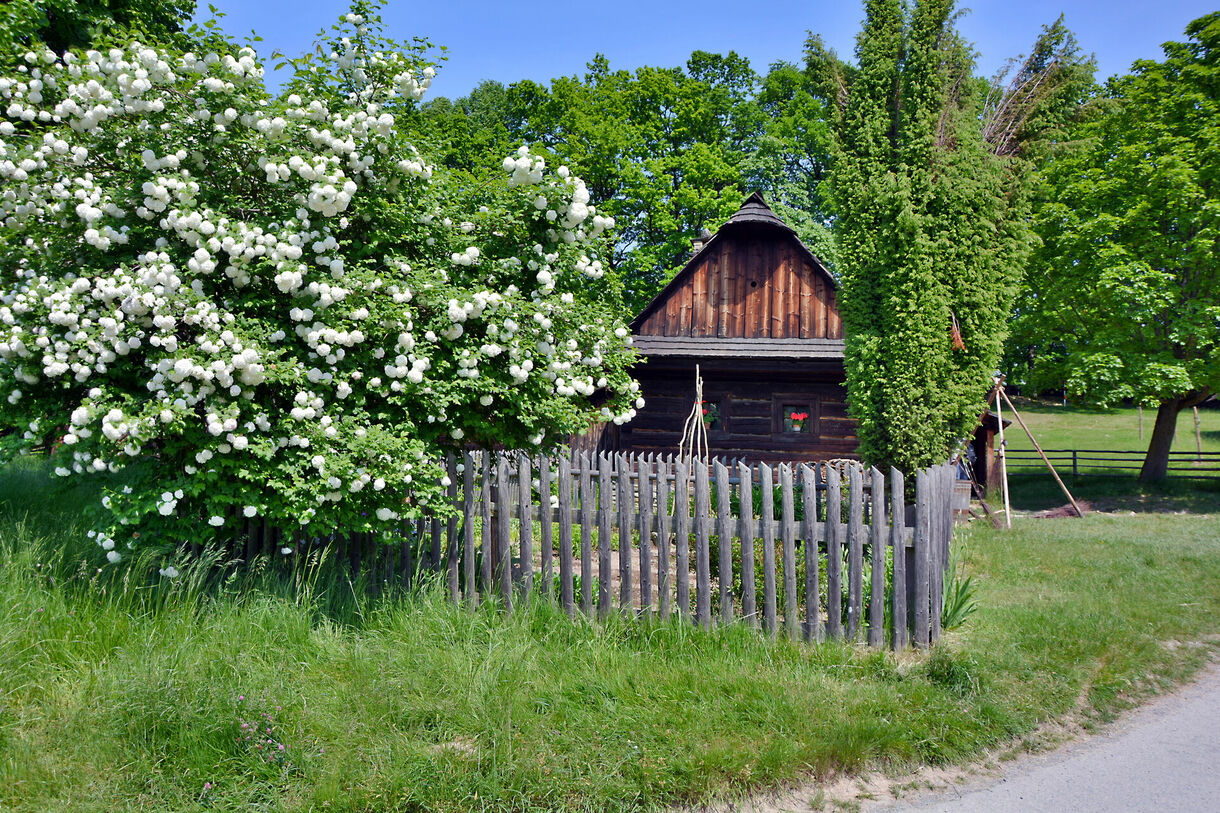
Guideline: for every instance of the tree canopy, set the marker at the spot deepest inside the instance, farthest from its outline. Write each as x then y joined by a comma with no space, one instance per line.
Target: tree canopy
1123,297
666,151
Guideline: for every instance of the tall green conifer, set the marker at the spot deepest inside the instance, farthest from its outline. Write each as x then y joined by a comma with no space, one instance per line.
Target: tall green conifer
931,236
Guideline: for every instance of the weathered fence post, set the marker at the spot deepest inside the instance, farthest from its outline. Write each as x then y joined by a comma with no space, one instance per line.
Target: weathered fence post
545,526
604,507
768,538
645,488
922,570
468,527
452,552
525,531
855,553
703,587
792,622
899,544
813,610
491,551
566,596
626,500
664,518
834,555
748,608
682,534
504,532
587,498
877,542
724,534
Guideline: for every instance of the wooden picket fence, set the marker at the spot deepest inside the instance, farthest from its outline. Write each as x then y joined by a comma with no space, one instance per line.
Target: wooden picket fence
630,525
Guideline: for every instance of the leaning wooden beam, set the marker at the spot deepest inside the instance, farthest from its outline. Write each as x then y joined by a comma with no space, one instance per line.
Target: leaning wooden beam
1045,459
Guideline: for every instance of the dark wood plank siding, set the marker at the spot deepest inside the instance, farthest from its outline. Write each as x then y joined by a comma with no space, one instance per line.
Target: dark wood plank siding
752,283
750,400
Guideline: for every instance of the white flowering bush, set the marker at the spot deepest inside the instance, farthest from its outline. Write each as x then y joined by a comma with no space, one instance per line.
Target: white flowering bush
259,306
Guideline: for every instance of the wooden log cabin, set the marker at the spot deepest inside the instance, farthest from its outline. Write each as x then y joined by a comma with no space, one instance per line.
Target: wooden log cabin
757,312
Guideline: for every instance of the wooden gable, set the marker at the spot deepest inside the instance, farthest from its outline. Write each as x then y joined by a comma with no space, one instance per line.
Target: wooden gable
754,279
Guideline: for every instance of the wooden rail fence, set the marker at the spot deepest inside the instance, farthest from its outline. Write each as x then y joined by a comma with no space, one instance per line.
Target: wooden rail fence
1082,462
817,551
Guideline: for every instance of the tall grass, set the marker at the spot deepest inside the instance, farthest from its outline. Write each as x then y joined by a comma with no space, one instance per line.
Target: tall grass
120,691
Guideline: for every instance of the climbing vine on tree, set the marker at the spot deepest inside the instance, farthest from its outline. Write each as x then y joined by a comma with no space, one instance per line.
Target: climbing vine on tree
930,230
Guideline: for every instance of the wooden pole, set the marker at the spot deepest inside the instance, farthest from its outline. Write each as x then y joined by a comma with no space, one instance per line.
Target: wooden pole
1198,436
1140,409
999,417
1045,459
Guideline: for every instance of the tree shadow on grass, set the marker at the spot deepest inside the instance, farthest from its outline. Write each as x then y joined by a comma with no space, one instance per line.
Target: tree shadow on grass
1118,494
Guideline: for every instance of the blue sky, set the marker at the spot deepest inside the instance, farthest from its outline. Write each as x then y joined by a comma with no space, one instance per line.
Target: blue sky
544,39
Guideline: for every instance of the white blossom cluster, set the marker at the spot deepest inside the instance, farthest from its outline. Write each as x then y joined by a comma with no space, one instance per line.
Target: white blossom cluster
265,305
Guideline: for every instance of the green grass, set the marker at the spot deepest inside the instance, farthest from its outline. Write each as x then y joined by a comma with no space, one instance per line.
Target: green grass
115,694
1057,427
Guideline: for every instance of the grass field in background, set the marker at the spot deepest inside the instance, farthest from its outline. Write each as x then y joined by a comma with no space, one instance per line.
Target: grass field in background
1058,427
116,693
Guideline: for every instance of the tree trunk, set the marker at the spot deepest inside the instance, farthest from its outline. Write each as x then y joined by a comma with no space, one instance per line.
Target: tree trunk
1156,462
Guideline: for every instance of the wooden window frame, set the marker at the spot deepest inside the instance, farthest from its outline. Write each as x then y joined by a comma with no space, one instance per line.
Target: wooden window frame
722,402
804,400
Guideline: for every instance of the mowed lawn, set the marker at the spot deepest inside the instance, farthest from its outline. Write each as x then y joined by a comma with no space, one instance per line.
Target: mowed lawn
1070,427
1058,427
117,693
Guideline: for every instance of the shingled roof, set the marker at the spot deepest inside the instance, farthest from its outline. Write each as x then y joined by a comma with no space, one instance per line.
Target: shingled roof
755,211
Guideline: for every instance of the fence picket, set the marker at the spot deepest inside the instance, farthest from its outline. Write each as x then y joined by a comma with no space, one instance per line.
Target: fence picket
503,532
724,533
658,506
605,506
452,552
682,535
625,502
664,521
486,531
834,554
768,541
898,543
792,622
565,534
703,600
746,487
525,529
855,553
645,486
545,529
471,595
922,528
586,533
877,540
813,612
